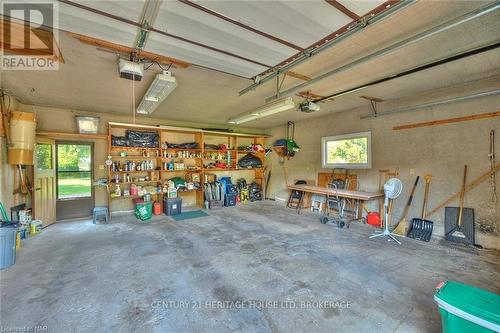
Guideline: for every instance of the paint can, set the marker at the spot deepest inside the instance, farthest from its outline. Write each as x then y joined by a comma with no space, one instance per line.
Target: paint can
35,227
156,208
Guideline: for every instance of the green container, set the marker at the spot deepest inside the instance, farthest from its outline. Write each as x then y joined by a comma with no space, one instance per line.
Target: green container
467,309
144,210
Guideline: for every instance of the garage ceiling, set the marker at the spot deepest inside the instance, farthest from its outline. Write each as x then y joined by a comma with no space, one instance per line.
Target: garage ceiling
255,36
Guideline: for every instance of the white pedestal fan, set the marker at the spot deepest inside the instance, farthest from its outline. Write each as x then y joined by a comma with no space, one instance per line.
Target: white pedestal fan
392,190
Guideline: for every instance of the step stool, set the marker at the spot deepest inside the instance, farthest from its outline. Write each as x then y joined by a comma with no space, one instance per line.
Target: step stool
317,202
100,212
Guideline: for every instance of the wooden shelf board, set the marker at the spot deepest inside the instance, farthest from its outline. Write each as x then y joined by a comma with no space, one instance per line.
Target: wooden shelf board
138,182
179,158
133,158
252,152
218,150
66,135
145,171
183,149
132,148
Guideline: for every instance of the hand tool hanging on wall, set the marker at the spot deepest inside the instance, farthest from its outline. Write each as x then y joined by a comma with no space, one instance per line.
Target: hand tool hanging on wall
491,155
402,228
459,222
420,228
480,179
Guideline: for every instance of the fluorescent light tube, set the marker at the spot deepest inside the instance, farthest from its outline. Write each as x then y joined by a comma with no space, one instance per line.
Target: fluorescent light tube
243,119
274,107
280,105
160,88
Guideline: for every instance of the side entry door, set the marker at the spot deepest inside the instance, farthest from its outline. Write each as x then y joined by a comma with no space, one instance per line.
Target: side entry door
44,201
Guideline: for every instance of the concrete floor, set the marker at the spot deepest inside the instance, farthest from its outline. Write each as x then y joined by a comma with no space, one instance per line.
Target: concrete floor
167,276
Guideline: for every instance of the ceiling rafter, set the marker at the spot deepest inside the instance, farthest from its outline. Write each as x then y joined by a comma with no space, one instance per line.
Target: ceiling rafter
126,50
328,38
240,24
343,9
118,18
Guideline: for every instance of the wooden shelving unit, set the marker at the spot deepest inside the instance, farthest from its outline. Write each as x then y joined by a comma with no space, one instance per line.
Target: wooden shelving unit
174,135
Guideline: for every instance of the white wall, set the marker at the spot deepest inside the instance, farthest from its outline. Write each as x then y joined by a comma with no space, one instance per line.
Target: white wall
7,171
440,150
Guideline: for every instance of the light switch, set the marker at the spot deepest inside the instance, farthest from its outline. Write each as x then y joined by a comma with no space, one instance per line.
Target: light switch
412,171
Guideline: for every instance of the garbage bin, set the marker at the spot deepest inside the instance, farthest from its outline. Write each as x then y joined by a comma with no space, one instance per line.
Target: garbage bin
467,309
7,246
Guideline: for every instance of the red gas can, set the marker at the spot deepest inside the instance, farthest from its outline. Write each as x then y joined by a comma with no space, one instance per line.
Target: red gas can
373,218
157,208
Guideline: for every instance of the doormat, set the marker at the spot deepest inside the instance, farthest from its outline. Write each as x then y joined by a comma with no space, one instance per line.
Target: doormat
189,215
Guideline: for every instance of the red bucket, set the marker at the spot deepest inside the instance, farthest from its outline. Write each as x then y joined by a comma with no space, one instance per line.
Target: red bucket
373,218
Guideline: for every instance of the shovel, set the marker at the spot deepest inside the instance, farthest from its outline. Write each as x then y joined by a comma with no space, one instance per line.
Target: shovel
460,232
421,229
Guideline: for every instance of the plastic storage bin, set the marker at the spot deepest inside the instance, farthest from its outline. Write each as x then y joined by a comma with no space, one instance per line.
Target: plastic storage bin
215,204
143,210
7,246
467,309
172,206
230,200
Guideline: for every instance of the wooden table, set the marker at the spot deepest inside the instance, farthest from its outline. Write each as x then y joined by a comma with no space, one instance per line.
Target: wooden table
359,196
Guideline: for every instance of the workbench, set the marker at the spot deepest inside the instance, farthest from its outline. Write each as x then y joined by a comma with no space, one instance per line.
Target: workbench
359,197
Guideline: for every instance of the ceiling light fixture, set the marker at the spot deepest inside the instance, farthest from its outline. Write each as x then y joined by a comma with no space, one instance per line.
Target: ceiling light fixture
278,106
160,88
87,124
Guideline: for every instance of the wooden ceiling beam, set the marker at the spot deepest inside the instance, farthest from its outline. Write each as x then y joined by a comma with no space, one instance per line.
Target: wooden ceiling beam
370,98
298,76
127,50
308,94
343,9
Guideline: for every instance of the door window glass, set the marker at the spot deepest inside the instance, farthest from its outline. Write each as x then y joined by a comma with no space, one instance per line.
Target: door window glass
74,171
43,155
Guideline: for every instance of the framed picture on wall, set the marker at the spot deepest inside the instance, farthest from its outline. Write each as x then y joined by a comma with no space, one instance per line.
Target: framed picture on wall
350,151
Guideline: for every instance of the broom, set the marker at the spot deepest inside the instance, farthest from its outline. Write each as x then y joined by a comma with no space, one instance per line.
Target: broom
402,228
458,230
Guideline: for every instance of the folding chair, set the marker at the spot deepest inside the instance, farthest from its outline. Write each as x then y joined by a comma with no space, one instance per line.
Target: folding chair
295,197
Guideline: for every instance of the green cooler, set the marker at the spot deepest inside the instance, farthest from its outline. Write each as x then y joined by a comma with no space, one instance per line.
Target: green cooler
467,309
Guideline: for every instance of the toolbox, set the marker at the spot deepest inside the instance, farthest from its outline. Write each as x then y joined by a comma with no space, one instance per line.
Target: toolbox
230,199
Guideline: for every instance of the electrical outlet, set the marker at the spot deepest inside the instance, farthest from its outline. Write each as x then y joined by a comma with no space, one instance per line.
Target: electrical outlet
412,171
101,166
